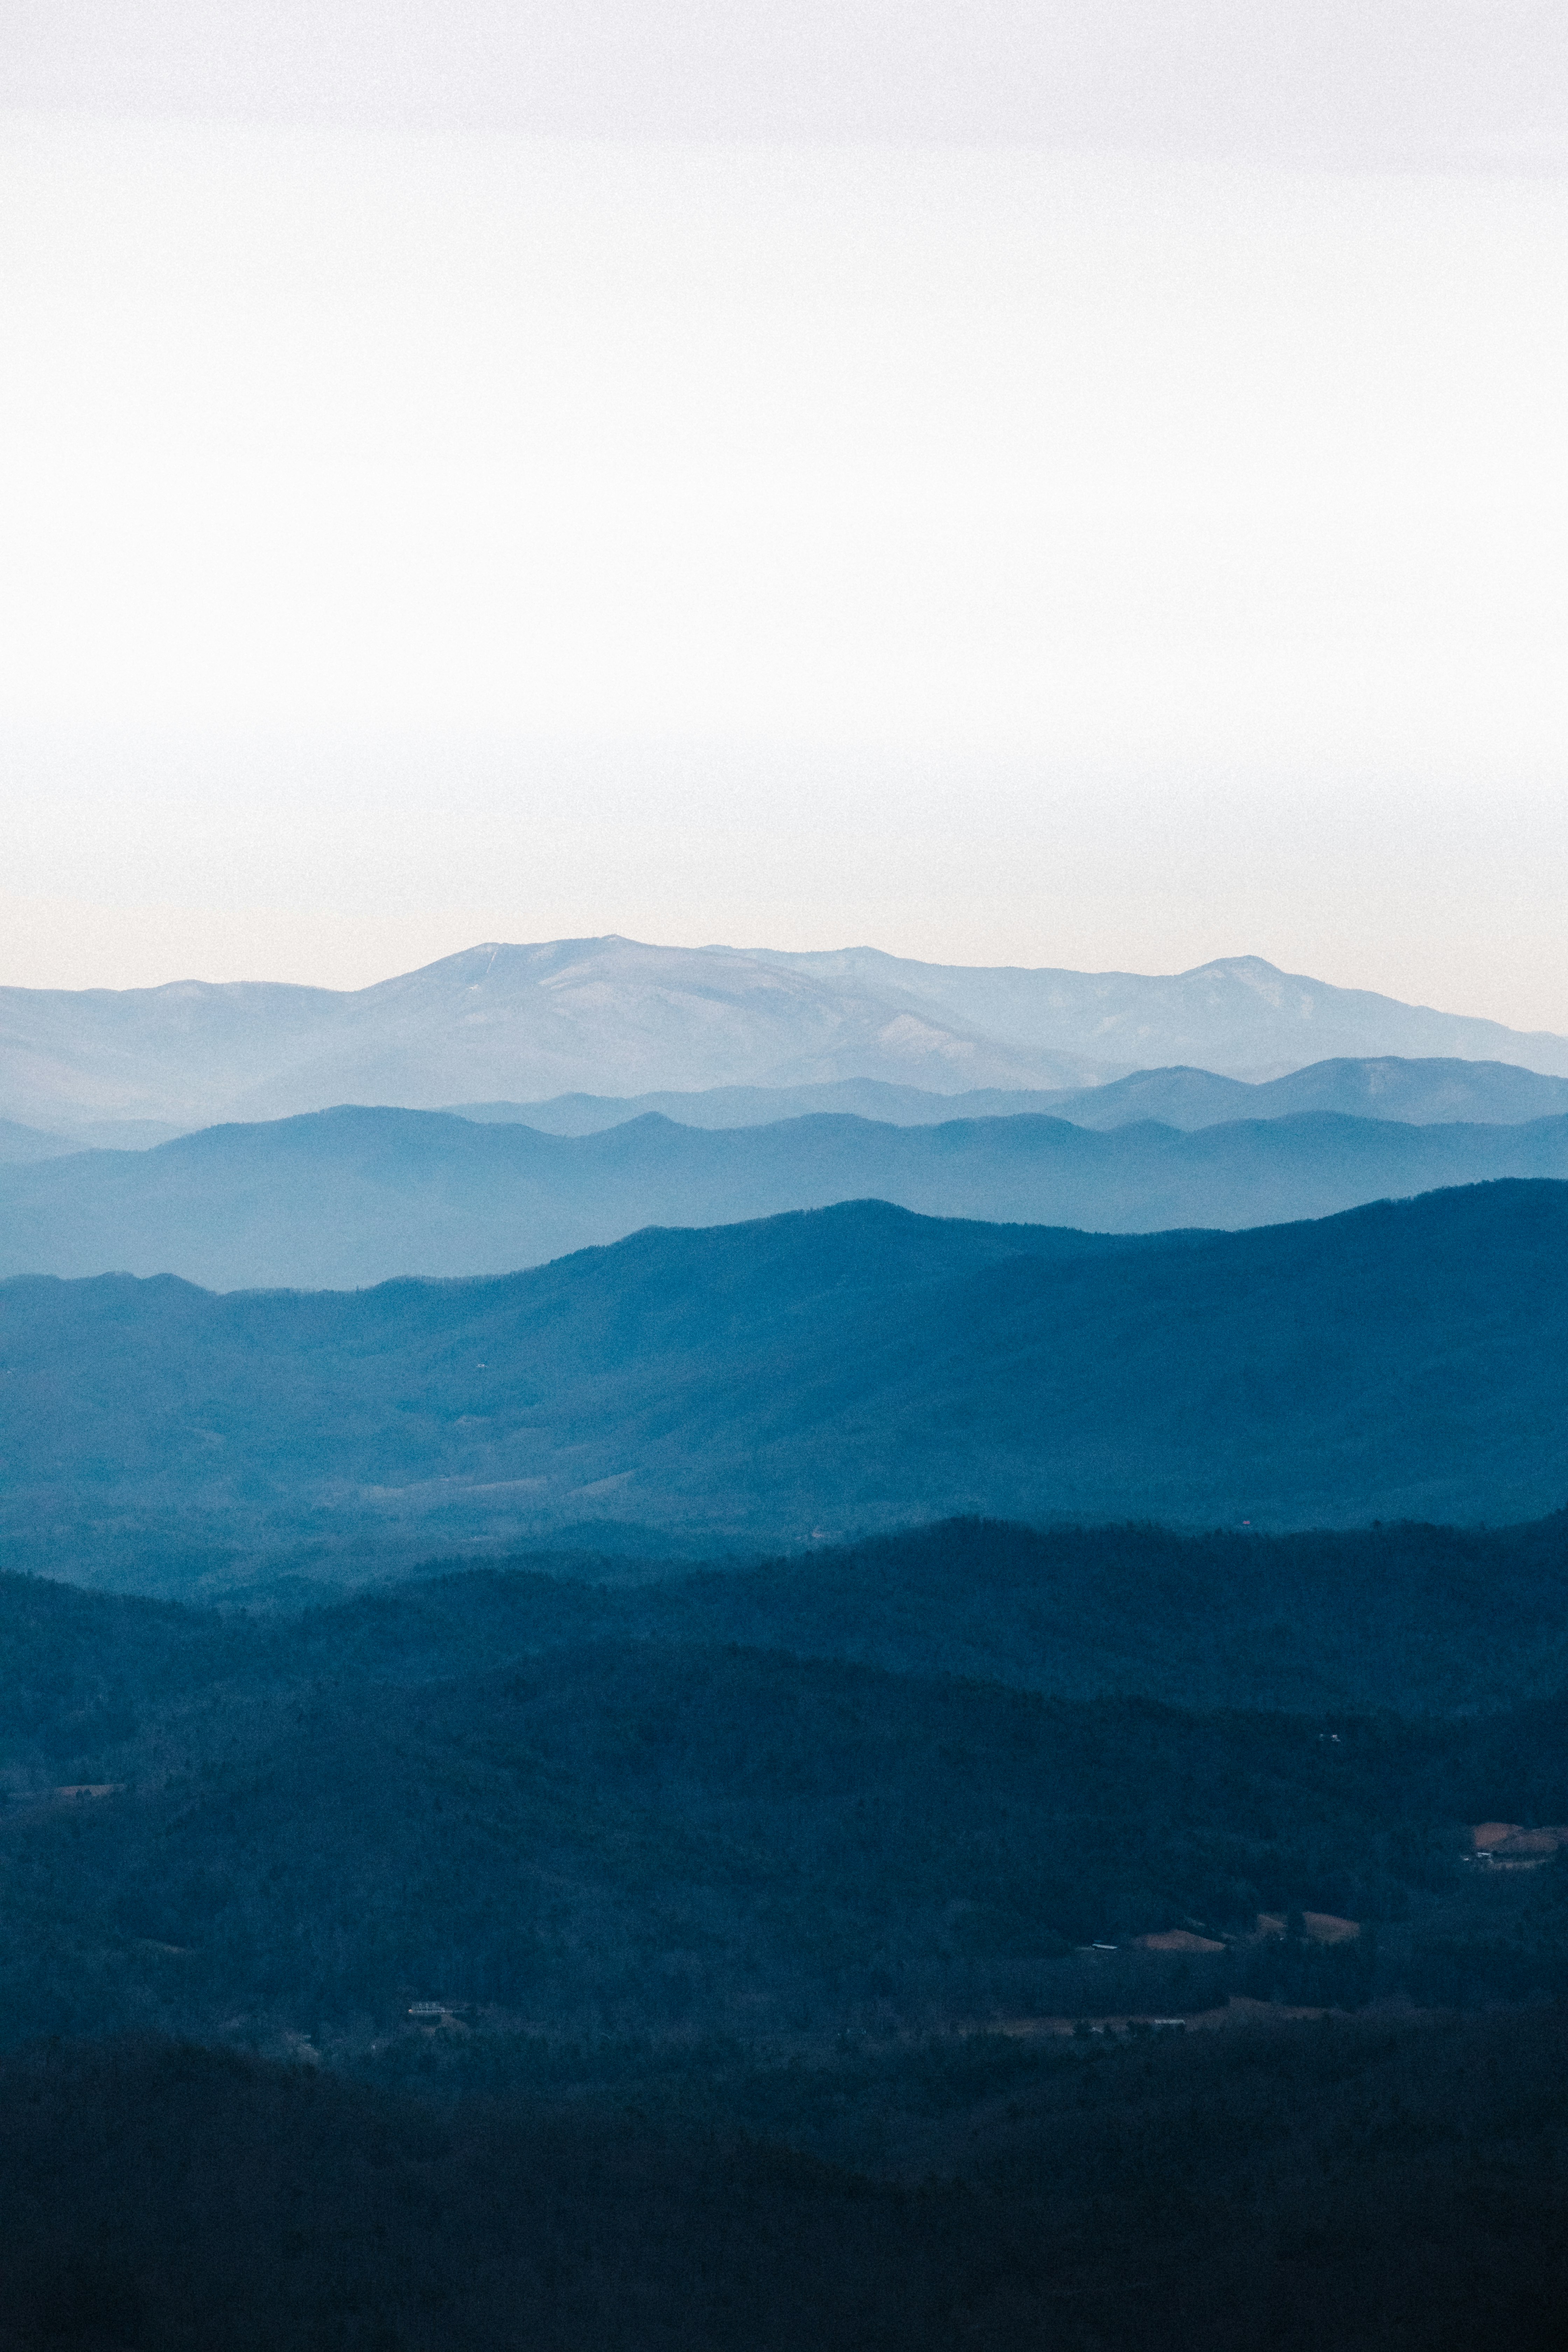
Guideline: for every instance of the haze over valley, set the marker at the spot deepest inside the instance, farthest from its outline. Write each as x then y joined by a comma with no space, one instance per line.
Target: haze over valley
354,1193
695,1276
347,1197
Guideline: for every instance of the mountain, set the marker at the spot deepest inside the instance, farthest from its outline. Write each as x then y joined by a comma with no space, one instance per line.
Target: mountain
608,1014
1426,1092
350,1196
1405,1618
1422,1093
1413,1619
853,1367
1430,1093
614,1016
1417,1092
1238,1015
721,1107
320,1821
19,1144
797,1836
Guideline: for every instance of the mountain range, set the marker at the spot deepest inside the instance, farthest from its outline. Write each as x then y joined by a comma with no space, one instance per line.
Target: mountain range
853,1367
342,1197
518,1023
1436,1091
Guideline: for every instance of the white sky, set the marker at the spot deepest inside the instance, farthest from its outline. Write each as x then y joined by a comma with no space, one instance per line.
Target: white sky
1137,545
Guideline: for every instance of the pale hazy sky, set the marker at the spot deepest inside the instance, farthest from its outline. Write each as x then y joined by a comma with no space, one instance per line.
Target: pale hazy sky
797,476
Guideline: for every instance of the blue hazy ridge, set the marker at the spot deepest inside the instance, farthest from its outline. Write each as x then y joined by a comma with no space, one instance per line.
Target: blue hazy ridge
353,1196
844,1369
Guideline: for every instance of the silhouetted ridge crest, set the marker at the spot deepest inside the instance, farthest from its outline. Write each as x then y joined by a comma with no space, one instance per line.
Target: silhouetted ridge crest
356,1194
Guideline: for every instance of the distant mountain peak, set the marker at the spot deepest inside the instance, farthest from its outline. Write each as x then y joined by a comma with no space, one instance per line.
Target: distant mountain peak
527,1020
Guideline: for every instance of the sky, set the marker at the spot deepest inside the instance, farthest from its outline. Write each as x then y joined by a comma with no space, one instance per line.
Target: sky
1021,484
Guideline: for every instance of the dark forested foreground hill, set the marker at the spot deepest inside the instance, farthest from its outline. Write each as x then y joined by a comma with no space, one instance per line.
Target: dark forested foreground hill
550,1953
827,1373
1364,2187
354,1196
226,1825
590,1979
1406,1619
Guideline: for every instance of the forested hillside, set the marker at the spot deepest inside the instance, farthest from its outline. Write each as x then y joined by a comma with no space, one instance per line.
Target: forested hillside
1406,1619
300,1825
861,1943
829,1373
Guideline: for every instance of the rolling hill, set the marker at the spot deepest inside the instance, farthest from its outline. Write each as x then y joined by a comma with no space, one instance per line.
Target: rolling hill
1424,1093
298,1828
355,1196
853,1367
1404,1619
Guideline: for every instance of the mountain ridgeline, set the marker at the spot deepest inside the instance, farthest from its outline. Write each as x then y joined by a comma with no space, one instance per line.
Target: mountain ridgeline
613,1016
1421,1093
348,1197
847,1369
1386,1087
1403,1620
770,1798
